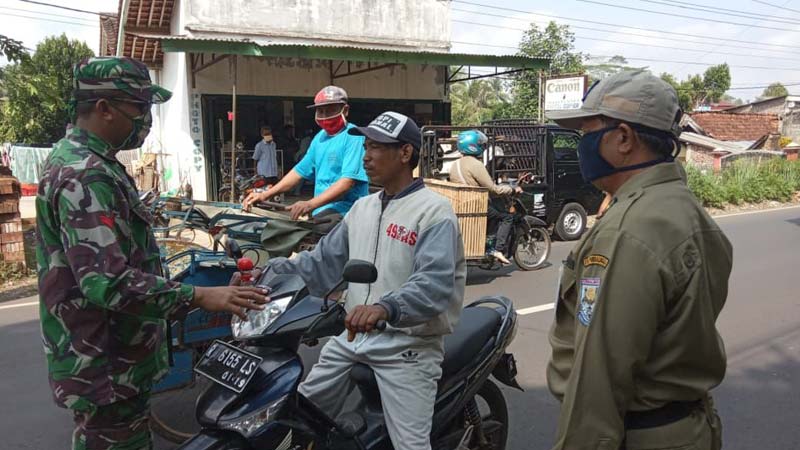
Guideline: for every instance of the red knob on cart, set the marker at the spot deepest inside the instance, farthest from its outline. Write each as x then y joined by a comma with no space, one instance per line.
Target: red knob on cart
245,267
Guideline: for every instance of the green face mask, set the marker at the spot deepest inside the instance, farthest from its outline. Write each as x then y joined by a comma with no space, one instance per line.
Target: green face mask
140,130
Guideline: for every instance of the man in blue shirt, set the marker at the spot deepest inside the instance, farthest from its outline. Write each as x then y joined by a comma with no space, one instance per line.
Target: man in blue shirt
333,161
266,157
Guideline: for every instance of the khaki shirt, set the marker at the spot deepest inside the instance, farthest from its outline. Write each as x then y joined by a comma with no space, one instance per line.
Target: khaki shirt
470,171
636,310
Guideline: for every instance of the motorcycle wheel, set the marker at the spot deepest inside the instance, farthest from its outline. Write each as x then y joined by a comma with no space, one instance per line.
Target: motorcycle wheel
494,418
532,249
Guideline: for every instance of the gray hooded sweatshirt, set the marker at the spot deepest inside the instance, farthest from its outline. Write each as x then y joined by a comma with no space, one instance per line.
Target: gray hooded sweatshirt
414,240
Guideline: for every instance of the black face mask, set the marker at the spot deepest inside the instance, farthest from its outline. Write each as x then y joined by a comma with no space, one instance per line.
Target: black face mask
592,164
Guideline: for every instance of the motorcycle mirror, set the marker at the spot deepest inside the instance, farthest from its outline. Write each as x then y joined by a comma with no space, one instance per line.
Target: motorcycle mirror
232,249
359,271
355,271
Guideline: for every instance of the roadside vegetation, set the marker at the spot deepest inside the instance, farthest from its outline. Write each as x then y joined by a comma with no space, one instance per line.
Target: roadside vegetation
746,182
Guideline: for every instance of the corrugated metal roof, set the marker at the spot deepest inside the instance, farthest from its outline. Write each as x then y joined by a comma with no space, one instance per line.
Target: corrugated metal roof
355,52
711,143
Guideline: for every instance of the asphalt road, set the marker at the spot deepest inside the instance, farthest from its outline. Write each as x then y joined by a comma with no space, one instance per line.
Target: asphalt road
760,325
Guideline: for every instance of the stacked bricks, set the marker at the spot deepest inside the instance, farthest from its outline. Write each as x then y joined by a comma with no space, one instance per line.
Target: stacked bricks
12,245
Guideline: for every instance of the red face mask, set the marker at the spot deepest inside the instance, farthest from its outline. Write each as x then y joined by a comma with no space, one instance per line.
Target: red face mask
332,125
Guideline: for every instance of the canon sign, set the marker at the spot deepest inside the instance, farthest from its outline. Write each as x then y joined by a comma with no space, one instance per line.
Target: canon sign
563,93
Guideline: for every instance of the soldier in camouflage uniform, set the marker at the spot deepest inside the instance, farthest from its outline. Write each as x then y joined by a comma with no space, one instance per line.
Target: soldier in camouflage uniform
103,300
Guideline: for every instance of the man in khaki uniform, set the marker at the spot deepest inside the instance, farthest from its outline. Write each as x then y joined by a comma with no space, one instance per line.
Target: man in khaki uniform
635,348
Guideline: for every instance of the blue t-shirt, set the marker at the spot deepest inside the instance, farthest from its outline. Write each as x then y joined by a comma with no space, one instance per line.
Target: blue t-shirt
331,158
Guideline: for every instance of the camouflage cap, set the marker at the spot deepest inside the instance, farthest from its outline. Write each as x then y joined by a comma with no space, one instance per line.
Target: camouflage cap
126,75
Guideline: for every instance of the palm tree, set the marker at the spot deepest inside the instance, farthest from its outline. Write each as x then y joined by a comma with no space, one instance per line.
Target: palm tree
475,101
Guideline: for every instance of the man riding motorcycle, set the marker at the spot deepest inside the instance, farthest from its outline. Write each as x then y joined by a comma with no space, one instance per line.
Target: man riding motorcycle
333,161
469,170
411,234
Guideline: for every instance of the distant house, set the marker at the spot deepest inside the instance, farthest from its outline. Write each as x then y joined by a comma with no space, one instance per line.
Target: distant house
711,138
743,128
787,108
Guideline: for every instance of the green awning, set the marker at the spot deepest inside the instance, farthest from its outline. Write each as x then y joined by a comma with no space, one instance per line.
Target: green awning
231,47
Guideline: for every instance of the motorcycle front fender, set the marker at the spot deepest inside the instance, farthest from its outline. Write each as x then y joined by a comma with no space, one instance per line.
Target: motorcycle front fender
535,222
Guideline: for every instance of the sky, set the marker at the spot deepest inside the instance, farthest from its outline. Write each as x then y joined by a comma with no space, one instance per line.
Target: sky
768,49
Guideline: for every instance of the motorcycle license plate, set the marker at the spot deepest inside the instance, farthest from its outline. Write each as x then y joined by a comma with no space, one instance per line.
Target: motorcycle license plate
227,365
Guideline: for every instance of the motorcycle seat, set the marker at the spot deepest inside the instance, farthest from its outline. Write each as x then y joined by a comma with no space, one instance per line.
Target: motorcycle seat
476,327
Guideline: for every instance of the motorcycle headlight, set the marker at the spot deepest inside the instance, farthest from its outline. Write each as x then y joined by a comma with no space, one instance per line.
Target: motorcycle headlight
250,424
258,321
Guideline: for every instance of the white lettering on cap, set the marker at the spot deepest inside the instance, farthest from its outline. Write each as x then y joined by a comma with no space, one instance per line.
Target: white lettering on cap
389,124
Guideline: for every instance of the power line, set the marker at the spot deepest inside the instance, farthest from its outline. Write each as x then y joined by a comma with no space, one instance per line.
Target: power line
732,88
64,7
737,35
50,20
637,44
570,19
717,10
631,8
644,59
579,27
89,21
777,6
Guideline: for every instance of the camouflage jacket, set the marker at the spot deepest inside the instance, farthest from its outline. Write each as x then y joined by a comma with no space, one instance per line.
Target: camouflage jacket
103,300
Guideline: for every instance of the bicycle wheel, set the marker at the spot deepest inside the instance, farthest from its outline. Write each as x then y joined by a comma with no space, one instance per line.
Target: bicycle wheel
172,413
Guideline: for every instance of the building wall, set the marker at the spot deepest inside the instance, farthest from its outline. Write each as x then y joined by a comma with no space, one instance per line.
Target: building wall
180,140
773,106
790,125
303,78
420,24
699,156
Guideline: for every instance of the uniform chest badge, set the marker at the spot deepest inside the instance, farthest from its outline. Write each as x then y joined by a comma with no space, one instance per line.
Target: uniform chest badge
589,293
595,260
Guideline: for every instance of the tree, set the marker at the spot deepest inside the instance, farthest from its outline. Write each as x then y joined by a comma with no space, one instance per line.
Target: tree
698,90
684,98
474,102
13,50
732,99
555,42
716,80
605,67
38,89
775,90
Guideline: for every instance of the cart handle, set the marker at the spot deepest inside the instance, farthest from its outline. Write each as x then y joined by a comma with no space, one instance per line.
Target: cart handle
272,205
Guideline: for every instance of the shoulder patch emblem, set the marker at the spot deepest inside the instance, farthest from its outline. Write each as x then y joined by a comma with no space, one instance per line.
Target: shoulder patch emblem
595,260
590,291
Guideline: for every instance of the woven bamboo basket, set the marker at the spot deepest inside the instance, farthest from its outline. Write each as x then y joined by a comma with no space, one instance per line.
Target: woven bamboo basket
470,204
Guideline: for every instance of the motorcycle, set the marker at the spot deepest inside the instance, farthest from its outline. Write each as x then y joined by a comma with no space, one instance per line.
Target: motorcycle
254,404
244,186
529,240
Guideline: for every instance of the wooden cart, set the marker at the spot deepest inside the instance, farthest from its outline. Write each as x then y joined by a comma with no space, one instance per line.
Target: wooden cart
470,204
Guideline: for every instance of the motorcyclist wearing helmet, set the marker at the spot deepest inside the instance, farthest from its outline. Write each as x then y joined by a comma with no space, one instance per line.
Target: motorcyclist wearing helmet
469,170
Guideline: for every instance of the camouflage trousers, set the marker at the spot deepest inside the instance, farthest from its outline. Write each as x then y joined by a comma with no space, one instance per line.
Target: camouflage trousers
119,426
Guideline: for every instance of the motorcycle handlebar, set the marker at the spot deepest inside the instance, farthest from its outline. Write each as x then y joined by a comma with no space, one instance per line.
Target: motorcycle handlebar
380,325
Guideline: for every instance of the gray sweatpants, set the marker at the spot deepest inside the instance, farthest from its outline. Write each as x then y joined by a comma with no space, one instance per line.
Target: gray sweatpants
407,369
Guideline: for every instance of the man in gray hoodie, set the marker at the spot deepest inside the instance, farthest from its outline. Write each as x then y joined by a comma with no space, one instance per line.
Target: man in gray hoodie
411,234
